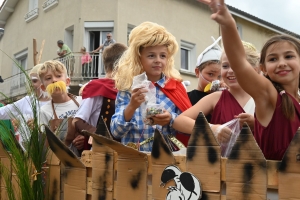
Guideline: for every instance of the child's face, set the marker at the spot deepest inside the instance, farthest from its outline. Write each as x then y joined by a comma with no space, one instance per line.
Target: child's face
209,74
52,77
227,74
154,60
36,83
282,63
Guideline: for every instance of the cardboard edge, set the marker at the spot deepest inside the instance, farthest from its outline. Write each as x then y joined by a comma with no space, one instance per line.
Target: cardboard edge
64,154
160,147
116,146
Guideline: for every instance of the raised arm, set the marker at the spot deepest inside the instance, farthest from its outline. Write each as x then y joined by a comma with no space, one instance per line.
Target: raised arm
263,93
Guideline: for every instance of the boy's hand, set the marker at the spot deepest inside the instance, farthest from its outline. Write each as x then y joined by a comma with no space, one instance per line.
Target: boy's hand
137,97
162,119
245,117
78,142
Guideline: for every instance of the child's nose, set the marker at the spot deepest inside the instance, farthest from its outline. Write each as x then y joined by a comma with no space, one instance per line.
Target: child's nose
282,63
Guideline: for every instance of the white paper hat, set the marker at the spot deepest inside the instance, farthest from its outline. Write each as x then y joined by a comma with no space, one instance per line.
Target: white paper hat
212,52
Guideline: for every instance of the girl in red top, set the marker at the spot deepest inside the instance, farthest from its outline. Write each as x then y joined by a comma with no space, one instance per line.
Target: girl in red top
276,94
223,105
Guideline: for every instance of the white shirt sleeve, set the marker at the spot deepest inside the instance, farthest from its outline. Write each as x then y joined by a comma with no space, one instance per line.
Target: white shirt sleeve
22,106
90,109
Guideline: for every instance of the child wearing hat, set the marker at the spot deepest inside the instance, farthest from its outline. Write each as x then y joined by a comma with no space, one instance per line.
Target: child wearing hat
208,69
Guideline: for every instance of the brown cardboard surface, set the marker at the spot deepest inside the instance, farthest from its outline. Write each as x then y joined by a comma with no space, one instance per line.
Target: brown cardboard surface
246,174
289,171
103,159
53,181
211,195
103,176
75,177
16,187
3,193
161,157
73,193
64,154
204,155
6,163
89,184
132,178
3,152
272,173
52,158
289,186
98,194
223,168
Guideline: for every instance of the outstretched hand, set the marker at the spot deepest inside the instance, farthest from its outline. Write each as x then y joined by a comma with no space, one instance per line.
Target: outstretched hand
219,10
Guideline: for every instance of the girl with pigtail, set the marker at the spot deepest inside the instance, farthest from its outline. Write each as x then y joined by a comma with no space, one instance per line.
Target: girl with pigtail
276,96
151,51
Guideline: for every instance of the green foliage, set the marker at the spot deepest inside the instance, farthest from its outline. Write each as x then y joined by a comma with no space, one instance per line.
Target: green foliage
27,159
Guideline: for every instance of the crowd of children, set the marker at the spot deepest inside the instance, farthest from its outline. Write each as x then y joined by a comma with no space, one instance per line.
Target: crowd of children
132,111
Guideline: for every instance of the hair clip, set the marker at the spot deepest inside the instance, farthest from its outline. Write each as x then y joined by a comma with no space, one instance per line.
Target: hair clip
282,92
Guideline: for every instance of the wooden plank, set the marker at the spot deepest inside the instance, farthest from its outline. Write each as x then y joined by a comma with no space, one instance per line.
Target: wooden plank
272,173
246,174
204,156
289,171
34,53
41,52
132,178
161,157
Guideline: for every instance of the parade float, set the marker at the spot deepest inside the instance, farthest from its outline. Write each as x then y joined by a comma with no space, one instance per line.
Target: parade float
114,171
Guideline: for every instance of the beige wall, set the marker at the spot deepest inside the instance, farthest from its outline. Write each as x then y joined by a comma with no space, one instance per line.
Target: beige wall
187,20
253,33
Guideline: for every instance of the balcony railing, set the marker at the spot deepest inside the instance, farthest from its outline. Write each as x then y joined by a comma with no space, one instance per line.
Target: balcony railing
49,4
79,71
32,15
13,86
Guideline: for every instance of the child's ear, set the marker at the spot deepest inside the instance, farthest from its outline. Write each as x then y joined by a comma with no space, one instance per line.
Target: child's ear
68,81
263,69
43,87
197,72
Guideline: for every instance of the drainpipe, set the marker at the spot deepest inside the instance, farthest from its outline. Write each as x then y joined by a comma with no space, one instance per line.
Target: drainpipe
1,32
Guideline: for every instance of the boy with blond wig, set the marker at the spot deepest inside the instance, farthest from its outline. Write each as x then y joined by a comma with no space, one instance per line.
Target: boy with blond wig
151,50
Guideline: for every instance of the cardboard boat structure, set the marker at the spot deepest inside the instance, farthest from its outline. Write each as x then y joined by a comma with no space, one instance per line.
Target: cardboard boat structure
114,171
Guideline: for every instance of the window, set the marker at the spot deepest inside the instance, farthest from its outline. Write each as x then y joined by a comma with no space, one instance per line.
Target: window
33,11
95,35
18,78
129,29
240,30
49,4
187,56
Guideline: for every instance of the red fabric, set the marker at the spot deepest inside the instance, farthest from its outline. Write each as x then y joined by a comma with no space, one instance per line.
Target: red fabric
86,145
175,91
225,109
100,87
276,137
